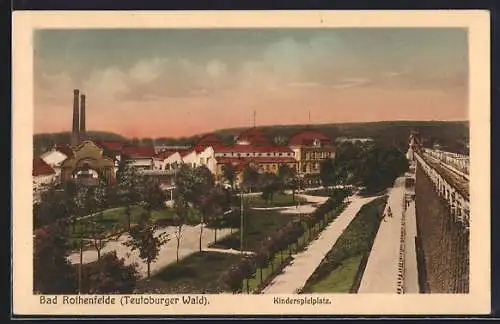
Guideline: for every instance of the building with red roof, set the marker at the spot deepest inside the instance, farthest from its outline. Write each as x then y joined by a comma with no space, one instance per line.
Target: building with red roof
311,147
140,157
43,175
252,136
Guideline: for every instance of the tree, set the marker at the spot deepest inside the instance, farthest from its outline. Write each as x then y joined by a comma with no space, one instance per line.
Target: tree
53,273
54,205
232,279
111,276
250,178
142,238
271,246
262,258
128,183
229,173
180,217
286,176
247,269
269,183
212,205
151,194
97,202
204,198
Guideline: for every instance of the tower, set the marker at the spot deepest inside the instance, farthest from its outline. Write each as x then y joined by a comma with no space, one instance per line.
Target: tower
82,117
75,132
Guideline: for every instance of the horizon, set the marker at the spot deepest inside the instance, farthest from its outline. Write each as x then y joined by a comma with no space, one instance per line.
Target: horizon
180,83
257,126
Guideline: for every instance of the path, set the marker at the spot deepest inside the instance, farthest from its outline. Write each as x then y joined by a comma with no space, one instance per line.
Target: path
411,268
295,275
189,244
381,270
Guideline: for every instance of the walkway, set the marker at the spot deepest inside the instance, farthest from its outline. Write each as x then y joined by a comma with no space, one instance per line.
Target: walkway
295,275
411,268
381,270
189,245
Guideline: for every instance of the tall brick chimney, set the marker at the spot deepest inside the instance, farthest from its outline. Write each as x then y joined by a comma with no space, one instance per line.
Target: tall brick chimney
83,134
75,136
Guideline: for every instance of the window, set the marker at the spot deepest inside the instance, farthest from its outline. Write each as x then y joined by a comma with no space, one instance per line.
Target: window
279,154
239,154
202,160
268,154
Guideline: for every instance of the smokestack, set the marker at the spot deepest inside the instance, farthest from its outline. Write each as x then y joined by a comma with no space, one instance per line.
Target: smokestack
76,118
83,134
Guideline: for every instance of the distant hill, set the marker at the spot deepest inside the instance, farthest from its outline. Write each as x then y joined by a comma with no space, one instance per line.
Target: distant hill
44,141
452,136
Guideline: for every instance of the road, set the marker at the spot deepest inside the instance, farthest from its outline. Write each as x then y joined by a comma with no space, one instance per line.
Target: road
381,270
295,275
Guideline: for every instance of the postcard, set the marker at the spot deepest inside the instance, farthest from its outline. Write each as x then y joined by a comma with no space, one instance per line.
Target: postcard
251,163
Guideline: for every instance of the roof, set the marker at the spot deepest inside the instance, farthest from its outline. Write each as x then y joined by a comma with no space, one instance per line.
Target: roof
139,151
260,159
253,149
41,168
253,136
183,153
165,154
208,140
114,146
307,137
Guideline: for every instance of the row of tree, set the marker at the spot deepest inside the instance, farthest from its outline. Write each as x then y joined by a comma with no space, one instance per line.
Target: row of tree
281,242
77,210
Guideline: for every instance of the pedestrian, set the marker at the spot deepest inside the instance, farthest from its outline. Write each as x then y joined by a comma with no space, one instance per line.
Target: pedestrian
389,212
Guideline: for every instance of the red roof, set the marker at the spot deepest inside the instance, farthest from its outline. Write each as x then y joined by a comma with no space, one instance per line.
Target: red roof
253,149
40,167
307,137
139,151
260,159
208,140
183,153
114,146
254,136
165,154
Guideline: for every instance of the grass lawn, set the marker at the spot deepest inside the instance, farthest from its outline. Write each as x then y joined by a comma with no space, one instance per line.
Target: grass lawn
258,225
338,270
279,200
197,273
339,280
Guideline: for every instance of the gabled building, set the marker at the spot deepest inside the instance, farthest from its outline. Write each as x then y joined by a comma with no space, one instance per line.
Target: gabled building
56,156
140,157
311,147
43,174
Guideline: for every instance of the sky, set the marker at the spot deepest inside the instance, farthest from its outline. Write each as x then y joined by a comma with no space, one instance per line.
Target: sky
182,82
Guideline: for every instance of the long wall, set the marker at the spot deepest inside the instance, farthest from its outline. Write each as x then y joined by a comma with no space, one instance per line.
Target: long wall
442,239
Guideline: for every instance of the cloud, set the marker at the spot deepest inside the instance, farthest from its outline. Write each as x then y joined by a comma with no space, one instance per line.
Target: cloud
343,84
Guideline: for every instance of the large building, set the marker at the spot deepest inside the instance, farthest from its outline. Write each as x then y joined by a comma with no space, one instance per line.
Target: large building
91,161
311,147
